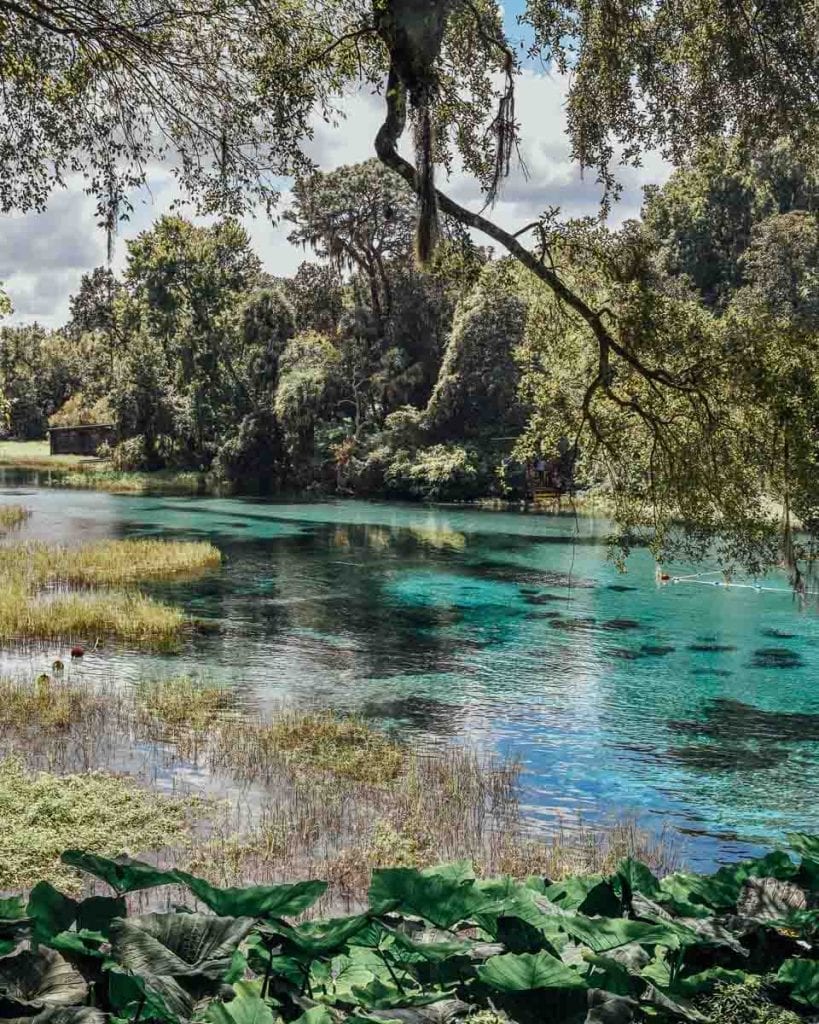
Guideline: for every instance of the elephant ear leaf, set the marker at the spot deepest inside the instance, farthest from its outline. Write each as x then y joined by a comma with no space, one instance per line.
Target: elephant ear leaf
247,1008
178,945
62,1015
804,844
444,895
315,1015
255,900
803,978
590,894
122,873
41,979
51,912
633,876
521,972
129,995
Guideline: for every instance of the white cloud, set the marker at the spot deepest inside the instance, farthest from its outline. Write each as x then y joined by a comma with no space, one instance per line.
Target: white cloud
44,255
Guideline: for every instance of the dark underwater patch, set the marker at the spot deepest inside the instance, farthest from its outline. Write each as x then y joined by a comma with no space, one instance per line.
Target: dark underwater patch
544,615
710,758
710,648
776,657
732,720
778,634
625,653
415,712
623,624
572,624
620,588
657,650
723,673
545,598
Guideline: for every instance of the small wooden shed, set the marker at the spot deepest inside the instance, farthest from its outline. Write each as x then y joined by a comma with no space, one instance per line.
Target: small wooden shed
84,439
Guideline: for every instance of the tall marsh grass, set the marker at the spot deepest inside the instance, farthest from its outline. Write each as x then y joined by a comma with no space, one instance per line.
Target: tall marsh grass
306,793
39,599
12,516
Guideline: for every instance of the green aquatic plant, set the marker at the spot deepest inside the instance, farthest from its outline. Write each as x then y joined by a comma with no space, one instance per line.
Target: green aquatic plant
41,814
429,945
37,601
12,516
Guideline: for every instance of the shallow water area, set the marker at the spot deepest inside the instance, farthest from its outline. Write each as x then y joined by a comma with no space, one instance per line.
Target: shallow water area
684,702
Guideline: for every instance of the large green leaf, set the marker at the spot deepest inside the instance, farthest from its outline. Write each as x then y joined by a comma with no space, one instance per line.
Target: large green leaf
315,1015
41,979
444,895
320,938
12,908
704,981
82,943
51,912
716,893
247,1008
590,894
178,945
61,1015
96,913
633,876
380,994
255,900
521,972
604,933
128,994
122,873
803,978
804,844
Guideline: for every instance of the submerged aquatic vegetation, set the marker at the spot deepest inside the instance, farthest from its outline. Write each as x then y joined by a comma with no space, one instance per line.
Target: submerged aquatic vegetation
442,944
42,813
37,602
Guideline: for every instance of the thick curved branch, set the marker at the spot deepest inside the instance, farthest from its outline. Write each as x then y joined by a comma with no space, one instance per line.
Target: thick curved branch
386,148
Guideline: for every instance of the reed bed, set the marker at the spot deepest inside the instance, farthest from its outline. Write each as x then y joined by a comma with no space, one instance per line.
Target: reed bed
304,793
49,592
99,478
90,618
12,516
105,563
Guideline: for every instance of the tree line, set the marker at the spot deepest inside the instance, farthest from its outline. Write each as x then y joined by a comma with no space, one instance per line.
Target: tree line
365,373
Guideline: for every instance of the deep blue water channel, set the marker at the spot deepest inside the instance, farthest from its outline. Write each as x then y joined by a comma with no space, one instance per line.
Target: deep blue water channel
684,703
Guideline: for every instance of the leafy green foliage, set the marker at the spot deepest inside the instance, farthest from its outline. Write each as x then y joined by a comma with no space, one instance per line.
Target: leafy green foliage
432,944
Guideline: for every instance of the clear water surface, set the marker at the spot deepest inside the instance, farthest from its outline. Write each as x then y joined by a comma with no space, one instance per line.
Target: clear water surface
684,703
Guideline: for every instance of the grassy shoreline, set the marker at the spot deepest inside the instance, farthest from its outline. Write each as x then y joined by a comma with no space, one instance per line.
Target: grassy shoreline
298,793
81,472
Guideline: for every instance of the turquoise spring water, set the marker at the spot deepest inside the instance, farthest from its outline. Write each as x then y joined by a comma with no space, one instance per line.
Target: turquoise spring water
684,703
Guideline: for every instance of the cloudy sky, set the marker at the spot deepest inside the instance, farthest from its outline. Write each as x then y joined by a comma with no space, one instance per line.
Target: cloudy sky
43,256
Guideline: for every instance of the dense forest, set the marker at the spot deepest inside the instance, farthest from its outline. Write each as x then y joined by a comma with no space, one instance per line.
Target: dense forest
670,361
366,373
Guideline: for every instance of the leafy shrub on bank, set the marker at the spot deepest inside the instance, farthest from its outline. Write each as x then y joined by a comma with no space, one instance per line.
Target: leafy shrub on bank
431,945
440,473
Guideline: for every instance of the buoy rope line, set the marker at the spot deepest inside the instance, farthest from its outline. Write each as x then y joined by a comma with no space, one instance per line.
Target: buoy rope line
696,577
